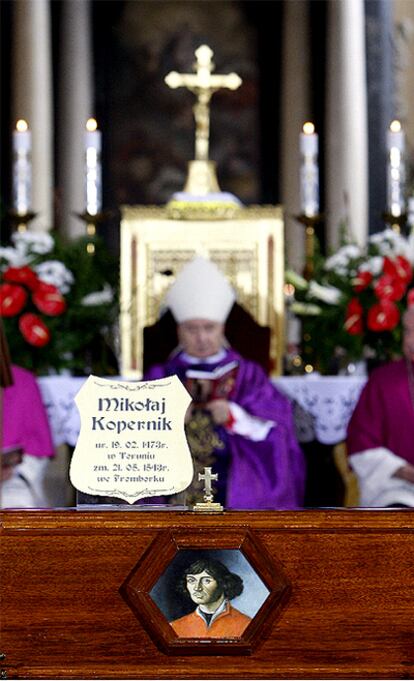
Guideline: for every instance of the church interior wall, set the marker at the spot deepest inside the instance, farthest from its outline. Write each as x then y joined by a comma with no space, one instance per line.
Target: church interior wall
148,129
403,17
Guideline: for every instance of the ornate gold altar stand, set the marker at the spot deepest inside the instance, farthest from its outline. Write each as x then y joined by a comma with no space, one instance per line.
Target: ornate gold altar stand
248,248
246,243
346,611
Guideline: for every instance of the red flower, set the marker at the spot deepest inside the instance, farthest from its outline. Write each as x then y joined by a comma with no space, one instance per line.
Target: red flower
389,288
12,299
34,330
384,316
22,275
399,268
410,297
49,300
353,317
362,280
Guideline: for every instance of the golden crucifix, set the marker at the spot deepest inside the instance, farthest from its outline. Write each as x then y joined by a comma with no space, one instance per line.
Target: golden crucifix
203,84
202,179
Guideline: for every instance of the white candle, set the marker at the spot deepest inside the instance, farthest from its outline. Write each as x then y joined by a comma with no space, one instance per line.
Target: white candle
309,172
396,169
22,168
93,168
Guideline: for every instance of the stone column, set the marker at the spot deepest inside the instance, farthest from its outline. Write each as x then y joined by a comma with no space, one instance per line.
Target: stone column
75,107
295,111
32,98
381,108
402,19
346,126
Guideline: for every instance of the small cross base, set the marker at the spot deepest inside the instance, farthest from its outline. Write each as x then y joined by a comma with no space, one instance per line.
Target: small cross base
208,507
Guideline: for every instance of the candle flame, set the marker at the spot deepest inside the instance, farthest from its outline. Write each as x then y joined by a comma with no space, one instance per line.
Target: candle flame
308,128
91,125
21,125
395,126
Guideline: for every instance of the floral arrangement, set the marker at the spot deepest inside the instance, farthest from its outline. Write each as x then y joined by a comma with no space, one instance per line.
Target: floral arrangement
352,307
58,303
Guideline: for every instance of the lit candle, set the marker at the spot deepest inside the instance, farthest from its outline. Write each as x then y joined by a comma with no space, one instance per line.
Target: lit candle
396,170
22,168
309,172
93,169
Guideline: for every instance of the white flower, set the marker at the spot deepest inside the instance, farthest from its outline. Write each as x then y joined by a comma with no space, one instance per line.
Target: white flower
373,265
386,235
410,248
14,258
34,242
340,260
379,237
402,247
391,244
98,297
56,273
305,308
350,251
328,294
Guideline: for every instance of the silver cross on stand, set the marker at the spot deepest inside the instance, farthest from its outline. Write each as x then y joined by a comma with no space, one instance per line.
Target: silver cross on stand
208,506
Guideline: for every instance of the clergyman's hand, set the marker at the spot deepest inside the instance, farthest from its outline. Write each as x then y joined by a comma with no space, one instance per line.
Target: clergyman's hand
220,411
405,472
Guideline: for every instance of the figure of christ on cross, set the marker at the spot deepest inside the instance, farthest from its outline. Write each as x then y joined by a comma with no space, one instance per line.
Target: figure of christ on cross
203,84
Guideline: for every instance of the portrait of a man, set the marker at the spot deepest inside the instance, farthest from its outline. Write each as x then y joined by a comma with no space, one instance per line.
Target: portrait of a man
211,586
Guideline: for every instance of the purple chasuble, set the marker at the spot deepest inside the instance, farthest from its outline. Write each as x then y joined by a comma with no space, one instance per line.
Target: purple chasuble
384,414
266,474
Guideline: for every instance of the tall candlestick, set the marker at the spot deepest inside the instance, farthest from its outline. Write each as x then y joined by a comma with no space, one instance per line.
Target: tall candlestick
410,213
22,168
396,170
309,172
93,169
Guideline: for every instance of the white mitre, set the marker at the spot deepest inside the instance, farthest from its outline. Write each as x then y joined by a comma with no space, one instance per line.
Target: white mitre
200,291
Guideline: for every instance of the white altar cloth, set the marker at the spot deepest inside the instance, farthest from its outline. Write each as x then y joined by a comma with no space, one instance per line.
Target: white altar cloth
58,394
322,404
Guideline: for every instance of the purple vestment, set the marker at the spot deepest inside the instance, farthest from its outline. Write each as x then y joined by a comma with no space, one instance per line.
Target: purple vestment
265,474
384,414
25,421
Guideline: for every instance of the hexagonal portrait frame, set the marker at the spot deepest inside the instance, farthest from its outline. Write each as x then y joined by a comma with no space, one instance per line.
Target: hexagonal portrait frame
239,557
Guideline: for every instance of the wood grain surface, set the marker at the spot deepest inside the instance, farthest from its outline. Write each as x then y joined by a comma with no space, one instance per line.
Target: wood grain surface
350,613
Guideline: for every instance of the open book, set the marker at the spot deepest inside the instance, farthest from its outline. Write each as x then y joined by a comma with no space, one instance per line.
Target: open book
204,386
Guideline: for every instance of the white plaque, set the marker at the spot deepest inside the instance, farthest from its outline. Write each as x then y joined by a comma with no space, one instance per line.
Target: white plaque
132,442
